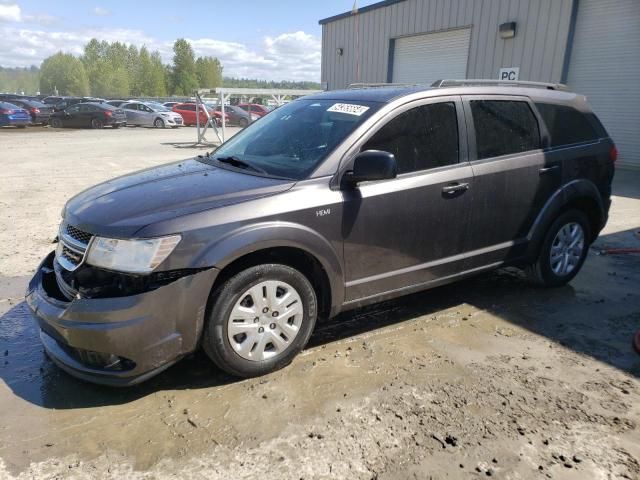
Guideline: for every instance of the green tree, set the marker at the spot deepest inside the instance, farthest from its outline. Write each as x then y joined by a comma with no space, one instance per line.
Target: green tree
209,72
184,77
64,73
151,77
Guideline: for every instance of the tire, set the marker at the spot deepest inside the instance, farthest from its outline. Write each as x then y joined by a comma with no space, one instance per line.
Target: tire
21,126
564,232
55,123
257,352
158,123
97,123
243,122
116,125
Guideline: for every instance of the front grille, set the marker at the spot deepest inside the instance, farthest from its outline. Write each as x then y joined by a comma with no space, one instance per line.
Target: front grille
77,234
72,247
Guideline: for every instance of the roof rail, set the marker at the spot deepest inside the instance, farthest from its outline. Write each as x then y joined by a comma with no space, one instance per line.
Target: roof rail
507,83
381,85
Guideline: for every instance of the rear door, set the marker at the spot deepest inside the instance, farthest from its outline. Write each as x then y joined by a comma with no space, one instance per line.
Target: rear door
410,230
512,176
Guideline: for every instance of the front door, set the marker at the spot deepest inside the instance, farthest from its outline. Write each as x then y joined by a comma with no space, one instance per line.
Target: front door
410,230
513,176
72,116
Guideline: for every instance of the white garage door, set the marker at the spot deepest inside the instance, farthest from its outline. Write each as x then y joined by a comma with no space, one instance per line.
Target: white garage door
431,57
605,66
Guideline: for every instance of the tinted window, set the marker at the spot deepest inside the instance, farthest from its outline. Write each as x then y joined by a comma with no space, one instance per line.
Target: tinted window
504,127
566,125
421,138
191,108
73,109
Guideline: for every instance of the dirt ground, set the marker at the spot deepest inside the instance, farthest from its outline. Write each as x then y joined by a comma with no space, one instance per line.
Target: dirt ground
489,377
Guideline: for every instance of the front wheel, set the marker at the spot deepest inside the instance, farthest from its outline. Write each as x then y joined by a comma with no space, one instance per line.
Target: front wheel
158,123
261,319
563,250
55,123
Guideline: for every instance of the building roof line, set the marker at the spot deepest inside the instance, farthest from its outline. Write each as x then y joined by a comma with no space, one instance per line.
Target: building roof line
373,6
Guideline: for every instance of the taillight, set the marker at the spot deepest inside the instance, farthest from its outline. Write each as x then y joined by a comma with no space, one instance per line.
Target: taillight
108,113
613,154
34,110
6,111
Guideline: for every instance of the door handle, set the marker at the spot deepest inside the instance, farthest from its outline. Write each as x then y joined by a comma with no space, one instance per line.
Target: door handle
550,169
455,188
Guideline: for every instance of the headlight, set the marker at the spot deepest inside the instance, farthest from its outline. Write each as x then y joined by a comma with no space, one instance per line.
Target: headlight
134,256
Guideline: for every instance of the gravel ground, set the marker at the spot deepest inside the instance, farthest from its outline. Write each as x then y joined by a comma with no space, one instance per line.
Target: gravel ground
489,377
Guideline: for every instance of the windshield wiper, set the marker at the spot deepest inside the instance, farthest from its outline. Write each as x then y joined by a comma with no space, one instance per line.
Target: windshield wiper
238,163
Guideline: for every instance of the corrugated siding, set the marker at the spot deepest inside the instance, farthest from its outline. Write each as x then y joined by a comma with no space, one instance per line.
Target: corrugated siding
605,66
430,57
538,47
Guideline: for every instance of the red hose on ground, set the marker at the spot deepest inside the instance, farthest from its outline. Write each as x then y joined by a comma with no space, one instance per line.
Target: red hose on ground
622,250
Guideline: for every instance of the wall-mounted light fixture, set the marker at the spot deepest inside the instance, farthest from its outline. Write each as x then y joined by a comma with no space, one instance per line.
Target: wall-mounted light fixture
339,51
508,30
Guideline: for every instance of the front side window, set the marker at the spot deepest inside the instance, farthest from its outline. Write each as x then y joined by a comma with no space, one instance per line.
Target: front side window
421,138
566,125
73,109
504,127
293,142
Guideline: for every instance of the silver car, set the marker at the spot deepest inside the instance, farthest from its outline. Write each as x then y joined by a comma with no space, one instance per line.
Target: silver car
145,115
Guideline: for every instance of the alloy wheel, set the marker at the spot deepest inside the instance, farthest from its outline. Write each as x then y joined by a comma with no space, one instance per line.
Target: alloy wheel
567,249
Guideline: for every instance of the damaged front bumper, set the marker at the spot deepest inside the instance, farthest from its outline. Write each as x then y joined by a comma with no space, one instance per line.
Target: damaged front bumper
123,340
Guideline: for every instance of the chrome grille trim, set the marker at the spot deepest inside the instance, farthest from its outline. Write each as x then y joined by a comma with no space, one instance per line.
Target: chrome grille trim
72,247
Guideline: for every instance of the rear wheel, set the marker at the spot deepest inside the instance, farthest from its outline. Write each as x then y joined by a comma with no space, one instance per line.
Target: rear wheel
243,122
55,123
97,123
158,123
563,250
261,319
116,125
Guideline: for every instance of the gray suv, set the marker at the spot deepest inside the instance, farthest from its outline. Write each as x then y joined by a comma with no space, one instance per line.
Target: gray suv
334,201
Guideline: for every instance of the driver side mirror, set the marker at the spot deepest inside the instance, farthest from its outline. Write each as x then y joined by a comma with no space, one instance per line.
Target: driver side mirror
372,165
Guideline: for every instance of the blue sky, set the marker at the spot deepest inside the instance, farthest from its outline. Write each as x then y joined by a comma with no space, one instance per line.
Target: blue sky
274,40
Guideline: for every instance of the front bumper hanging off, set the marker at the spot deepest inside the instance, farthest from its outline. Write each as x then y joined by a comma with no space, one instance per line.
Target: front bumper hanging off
123,340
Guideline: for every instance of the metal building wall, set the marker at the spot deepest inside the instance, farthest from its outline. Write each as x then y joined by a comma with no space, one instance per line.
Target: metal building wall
538,48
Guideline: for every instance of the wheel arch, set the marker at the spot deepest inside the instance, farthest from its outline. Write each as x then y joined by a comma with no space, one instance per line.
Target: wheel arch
580,194
278,242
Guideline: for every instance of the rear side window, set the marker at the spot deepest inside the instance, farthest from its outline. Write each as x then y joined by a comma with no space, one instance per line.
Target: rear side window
421,138
504,127
567,125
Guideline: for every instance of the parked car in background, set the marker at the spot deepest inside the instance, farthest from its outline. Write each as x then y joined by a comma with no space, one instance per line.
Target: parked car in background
237,116
13,116
116,103
38,111
68,101
255,108
188,112
151,115
85,115
170,105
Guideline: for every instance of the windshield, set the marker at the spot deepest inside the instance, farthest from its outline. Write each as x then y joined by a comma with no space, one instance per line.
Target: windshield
293,141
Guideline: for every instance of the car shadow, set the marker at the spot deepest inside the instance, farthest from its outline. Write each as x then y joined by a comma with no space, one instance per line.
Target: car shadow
596,316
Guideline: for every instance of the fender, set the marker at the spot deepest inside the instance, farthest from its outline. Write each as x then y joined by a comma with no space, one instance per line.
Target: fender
251,238
579,188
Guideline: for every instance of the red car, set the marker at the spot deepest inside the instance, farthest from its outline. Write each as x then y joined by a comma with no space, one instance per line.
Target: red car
188,112
255,108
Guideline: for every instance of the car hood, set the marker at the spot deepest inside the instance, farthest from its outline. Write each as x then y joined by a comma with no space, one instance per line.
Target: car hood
122,206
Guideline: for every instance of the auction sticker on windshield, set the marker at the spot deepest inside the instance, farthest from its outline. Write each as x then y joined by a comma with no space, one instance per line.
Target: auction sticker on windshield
348,108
